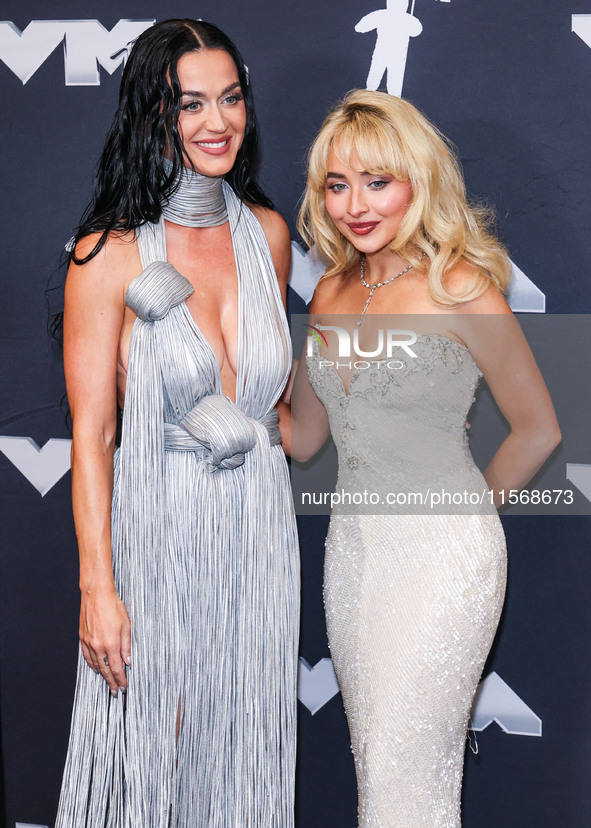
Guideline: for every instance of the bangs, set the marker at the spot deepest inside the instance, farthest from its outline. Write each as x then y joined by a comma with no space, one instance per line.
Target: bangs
377,151
376,144
365,132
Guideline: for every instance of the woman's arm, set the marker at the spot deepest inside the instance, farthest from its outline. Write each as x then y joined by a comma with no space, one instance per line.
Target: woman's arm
304,425
93,317
500,349
277,234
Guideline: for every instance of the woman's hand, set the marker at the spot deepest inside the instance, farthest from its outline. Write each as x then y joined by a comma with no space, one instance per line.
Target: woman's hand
105,636
500,349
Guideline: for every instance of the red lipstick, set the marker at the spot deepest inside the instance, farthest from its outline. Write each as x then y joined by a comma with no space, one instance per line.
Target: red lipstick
362,228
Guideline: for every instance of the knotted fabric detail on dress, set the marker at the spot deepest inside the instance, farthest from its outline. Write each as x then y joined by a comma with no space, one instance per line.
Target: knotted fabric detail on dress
146,296
206,565
220,432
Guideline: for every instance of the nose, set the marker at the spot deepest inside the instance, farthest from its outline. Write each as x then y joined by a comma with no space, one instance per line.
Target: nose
215,121
357,202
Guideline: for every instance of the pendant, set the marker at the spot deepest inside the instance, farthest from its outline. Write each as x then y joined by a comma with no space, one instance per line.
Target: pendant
371,293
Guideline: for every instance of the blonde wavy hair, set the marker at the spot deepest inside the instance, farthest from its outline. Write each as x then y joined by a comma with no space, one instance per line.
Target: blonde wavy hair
391,136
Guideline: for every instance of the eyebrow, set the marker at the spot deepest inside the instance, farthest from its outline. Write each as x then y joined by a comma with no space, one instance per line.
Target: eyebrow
338,175
190,93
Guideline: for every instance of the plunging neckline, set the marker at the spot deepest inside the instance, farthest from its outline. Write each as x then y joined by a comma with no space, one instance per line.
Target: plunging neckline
199,333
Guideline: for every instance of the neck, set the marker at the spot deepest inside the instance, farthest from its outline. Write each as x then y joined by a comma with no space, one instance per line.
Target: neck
382,264
196,201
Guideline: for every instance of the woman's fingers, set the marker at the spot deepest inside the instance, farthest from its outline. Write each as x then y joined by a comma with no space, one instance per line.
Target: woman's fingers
107,669
108,664
88,658
117,669
105,635
126,644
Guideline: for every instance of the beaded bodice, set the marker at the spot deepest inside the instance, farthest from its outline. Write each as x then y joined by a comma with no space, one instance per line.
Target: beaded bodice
400,424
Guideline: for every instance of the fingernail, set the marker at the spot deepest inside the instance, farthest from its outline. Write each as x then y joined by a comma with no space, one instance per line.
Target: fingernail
123,690
114,694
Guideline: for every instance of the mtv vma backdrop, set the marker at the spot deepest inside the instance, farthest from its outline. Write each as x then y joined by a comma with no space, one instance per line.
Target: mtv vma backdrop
510,84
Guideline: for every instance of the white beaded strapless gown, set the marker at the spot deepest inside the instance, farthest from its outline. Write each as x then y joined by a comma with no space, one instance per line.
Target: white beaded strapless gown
412,600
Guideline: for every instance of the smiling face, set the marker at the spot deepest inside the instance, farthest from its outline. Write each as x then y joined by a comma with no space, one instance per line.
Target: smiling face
366,208
212,118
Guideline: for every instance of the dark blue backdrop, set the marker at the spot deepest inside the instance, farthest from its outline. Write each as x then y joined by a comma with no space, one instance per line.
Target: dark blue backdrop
510,84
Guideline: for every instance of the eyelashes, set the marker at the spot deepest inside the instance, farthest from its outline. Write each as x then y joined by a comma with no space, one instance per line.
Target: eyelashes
376,185
197,106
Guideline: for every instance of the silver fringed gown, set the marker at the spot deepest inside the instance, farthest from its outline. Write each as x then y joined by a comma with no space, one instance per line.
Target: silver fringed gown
205,559
412,600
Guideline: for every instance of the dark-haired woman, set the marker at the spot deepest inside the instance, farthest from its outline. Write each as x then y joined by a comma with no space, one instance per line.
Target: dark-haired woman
185,701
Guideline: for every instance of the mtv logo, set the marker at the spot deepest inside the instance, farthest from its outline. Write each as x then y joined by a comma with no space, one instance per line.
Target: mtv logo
306,270
87,44
496,702
316,685
524,296
581,25
579,475
29,825
42,467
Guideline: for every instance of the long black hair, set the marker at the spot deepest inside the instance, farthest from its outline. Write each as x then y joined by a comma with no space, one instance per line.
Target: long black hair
132,180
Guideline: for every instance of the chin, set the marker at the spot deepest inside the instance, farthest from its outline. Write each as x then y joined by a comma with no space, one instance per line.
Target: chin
212,169
212,165
368,246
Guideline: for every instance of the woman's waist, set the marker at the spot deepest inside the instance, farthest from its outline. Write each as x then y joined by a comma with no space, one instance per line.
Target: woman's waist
402,488
216,432
393,454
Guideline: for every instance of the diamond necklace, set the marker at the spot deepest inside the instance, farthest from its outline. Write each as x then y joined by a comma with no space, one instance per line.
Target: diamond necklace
374,287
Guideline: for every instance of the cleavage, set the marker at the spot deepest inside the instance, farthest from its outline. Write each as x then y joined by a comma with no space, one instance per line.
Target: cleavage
205,257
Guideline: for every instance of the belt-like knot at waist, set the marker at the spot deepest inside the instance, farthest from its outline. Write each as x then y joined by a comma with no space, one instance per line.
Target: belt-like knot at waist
219,432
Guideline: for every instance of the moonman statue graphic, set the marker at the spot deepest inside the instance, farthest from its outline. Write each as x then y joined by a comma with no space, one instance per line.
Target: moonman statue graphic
394,28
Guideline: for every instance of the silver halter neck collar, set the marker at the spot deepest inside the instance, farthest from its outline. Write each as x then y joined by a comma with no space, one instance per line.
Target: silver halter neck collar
198,201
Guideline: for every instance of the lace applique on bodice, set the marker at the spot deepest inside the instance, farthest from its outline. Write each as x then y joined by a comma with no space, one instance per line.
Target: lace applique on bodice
400,425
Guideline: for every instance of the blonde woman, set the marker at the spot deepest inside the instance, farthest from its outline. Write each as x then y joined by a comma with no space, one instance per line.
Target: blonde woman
413,595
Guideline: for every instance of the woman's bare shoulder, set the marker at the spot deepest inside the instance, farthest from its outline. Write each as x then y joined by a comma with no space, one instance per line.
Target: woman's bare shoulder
279,240
118,245
274,227
461,277
112,267
272,222
326,293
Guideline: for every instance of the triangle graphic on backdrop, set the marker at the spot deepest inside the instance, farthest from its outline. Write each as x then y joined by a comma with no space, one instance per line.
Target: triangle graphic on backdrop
42,467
